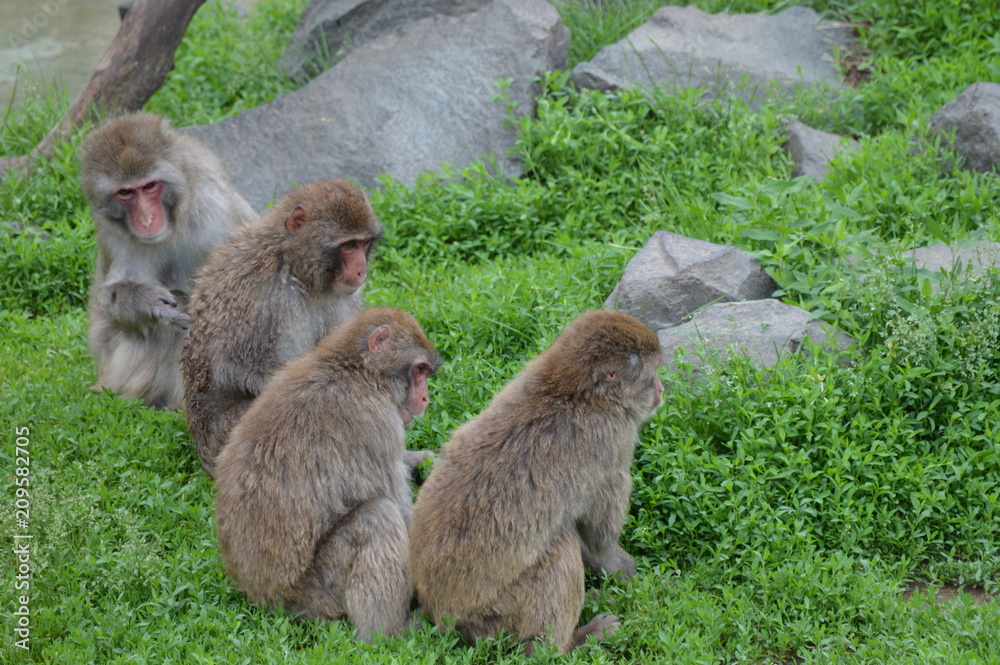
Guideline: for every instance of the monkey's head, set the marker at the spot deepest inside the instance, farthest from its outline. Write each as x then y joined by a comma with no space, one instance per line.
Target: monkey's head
334,230
390,348
131,177
605,355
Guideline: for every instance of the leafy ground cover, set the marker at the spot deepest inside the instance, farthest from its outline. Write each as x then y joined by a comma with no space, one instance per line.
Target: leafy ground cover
777,517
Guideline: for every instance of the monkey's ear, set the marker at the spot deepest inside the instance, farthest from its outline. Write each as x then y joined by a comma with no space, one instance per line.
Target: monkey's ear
296,218
610,375
378,341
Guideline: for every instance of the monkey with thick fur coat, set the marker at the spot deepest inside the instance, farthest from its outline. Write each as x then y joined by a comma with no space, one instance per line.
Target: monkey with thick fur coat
270,295
537,486
313,498
161,203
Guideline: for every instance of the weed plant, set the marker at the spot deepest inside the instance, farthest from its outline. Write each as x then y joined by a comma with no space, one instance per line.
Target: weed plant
778,516
209,87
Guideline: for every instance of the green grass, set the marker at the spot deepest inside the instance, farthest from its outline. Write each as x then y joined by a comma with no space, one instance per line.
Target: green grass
777,516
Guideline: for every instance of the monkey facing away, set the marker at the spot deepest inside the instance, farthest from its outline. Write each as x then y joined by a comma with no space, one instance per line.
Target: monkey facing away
268,296
537,486
313,498
160,203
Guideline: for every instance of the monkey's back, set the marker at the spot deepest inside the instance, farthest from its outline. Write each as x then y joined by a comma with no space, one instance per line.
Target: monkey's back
287,475
508,484
267,537
230,327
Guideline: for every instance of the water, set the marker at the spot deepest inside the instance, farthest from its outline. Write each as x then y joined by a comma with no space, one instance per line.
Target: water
60,41
57,41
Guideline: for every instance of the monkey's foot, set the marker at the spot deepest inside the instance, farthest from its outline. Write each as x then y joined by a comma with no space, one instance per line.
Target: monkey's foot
601,626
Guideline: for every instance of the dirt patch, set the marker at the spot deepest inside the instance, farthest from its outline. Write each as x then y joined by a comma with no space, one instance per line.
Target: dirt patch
853,62
948,593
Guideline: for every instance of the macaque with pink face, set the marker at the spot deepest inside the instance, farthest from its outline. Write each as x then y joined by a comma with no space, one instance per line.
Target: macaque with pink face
313,498
160,203
270,295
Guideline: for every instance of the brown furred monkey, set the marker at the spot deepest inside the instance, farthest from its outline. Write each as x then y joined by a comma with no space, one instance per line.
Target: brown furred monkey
536,486
160,203
313,498
268,296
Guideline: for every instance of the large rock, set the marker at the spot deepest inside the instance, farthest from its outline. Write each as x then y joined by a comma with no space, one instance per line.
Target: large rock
406,103
763,330
673,276
329,29
976,258
974,117
684,46
811,149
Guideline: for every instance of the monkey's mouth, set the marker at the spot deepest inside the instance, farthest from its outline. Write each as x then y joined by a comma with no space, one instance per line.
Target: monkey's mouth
149,238
345,289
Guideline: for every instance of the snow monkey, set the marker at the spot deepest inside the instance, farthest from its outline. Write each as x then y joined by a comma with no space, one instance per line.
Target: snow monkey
268,296
160,203
536,487
313,498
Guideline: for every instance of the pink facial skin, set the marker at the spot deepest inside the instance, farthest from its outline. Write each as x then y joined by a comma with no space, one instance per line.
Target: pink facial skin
658,387
145,211
418,395
354,265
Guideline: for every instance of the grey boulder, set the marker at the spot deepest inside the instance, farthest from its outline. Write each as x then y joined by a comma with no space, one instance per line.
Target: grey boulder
974,118
403,104
673,276
975,259
762,330
329,29
685,46
812,149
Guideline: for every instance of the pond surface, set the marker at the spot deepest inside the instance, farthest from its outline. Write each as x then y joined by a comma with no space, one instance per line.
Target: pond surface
60,41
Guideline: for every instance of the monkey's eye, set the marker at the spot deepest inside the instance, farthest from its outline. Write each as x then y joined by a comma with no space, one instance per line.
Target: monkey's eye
350,245
125,193
150,185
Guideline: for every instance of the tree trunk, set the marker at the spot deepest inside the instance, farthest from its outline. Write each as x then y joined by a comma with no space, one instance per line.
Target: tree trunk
133,68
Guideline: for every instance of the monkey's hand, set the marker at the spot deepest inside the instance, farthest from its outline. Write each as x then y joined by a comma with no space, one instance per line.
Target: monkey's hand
133,305
615,562
413,458
167,311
